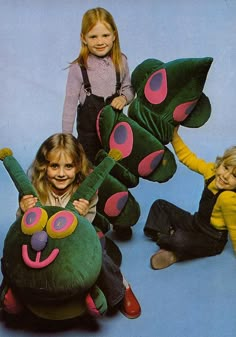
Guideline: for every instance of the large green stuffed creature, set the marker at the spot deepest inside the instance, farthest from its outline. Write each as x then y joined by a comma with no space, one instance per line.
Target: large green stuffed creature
57,276
52,256
167,95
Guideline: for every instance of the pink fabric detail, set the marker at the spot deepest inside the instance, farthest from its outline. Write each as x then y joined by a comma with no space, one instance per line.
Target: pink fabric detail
91,306
122,138
100,235
97,126
116,203
37,264
11,304
150,163
155,89
183,110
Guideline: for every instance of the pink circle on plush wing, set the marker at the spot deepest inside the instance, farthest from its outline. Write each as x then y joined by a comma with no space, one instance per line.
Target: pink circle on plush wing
183,110
150,163
155,89
116,203
122,138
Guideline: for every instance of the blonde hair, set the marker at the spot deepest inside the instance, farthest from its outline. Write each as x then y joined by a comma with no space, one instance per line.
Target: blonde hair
89,20
228,158
59,142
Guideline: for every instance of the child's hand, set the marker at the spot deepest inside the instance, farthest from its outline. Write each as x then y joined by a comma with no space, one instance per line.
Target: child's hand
119,102
27,201
81,206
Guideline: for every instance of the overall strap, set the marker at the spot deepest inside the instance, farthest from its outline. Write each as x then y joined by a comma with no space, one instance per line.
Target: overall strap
118,83
87,85
208,181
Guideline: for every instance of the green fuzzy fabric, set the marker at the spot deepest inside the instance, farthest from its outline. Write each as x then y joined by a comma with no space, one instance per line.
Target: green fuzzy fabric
119,172
74,271
141,138
178,87
90,185
18,176
130,213
56,290
185,82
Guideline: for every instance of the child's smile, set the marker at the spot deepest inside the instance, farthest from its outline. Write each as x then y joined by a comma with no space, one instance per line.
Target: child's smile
61,172
99,40
225,177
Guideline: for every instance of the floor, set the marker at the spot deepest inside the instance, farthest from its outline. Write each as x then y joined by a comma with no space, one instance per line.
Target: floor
189,299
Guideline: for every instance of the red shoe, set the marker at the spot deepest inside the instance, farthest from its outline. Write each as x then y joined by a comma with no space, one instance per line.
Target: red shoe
130,306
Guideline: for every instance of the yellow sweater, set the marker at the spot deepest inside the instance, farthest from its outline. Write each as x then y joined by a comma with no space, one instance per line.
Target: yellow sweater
224,212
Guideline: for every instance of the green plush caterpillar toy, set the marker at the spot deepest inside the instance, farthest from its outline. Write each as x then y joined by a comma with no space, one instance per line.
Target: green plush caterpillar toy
52,256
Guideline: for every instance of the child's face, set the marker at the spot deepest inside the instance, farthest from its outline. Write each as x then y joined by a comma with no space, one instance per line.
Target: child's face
61,172
225,178
99,40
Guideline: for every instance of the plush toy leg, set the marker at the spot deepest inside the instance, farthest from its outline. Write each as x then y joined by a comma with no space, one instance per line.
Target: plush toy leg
96,302
117,204
10,303
101,222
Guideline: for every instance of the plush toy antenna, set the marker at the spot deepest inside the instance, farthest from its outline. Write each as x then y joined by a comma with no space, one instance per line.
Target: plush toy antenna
91,184
18,176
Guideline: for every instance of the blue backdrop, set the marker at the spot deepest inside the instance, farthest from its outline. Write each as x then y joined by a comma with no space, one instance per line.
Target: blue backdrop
37,40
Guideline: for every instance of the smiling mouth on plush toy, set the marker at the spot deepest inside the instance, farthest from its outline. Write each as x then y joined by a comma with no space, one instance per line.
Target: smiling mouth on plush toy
37,264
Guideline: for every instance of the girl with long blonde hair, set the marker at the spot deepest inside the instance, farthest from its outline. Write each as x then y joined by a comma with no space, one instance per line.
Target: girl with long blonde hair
58,169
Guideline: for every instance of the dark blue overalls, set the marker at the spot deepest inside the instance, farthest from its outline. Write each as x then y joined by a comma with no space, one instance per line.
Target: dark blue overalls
87,116
188,235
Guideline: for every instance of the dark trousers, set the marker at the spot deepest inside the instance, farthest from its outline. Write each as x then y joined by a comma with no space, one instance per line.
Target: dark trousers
110,280
90,143
174,229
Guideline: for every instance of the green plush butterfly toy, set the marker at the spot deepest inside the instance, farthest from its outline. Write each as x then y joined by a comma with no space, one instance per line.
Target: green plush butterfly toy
167,95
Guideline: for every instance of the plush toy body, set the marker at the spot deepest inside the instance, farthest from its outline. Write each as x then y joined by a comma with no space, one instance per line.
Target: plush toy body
52,256
44,269
167,95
